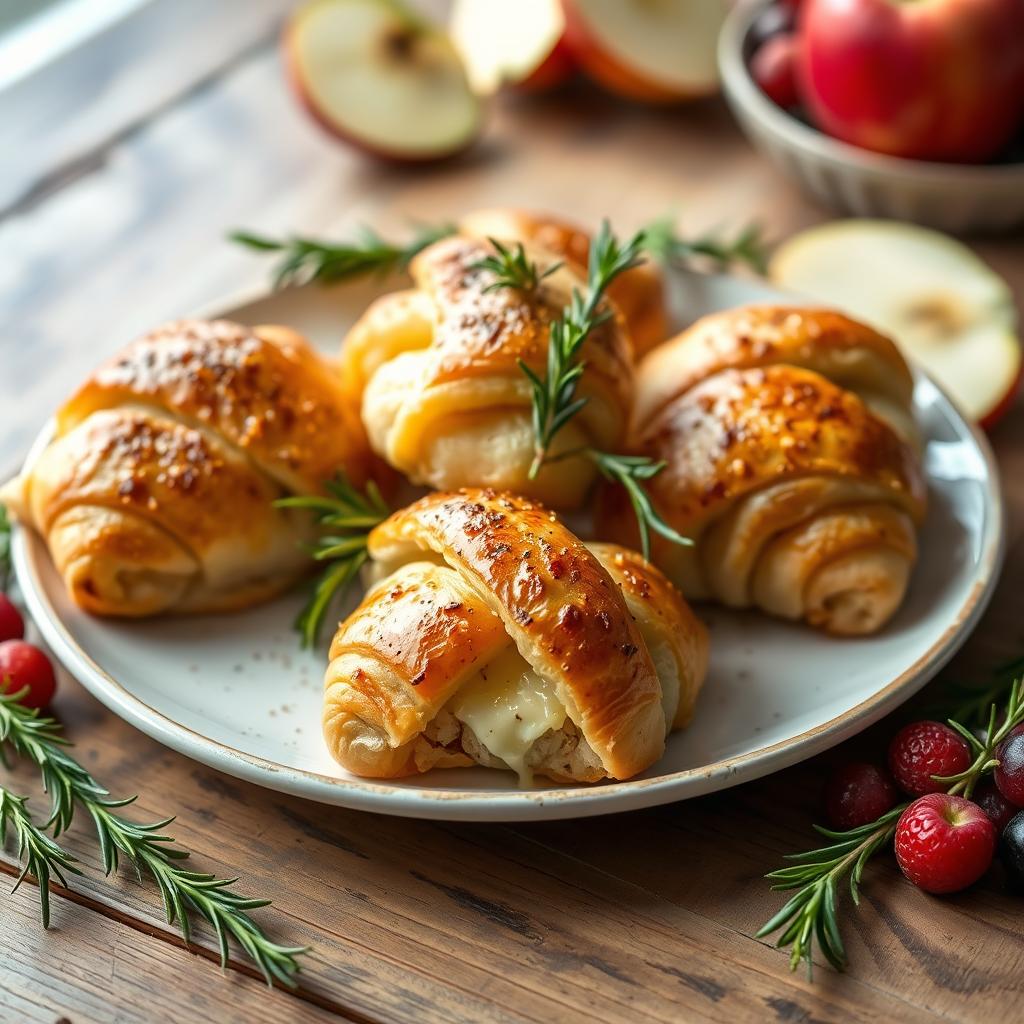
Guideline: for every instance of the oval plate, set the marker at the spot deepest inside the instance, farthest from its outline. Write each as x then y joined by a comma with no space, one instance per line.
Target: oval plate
236,693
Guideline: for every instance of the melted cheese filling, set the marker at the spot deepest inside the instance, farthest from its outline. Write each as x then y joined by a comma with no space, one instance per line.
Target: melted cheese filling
508,707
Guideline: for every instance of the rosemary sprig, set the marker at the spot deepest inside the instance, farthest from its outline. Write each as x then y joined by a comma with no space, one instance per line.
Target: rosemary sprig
309,259
43,858
746,248
628,471
554,394
348,516
512,268
811,915
68,783
5,548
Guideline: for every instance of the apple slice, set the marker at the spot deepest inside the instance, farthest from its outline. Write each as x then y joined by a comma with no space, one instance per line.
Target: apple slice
382,78
660,52
517,43
948,311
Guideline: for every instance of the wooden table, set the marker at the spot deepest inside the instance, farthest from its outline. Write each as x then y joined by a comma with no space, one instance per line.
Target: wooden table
642,917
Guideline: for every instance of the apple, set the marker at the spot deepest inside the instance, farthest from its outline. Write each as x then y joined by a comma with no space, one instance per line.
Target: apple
923,79
660,52
949,312
380,77
773,68
517,43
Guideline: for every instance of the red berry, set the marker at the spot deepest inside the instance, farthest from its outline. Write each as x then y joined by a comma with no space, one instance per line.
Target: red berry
856,794
923,749
944,843
994,804
1009,776
12,625
773,68
22,664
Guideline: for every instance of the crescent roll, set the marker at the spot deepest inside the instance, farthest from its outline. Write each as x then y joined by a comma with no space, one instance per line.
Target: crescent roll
639,293
156,492
443,396
496,637
802,501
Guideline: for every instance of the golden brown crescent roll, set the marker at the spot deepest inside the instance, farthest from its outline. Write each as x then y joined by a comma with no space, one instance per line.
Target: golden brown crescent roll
444,399
847,352
156,492
638,293
801,501
496,637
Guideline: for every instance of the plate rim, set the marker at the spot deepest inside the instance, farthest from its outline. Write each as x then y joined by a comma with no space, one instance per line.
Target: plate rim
517,805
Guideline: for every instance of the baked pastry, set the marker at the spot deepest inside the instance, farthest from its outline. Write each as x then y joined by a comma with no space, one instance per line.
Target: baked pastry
443,396
156,491
801,500
496,637
639,293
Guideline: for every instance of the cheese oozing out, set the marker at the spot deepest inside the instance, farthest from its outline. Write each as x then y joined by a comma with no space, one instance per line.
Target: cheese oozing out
508,707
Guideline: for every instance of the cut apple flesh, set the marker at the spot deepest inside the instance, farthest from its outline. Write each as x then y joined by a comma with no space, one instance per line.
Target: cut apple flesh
950,313
649,49
381,78
510,42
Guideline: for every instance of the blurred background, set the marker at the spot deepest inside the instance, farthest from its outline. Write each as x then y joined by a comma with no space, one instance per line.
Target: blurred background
136,134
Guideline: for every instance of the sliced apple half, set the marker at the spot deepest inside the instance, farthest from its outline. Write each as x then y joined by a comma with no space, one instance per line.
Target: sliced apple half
516,43
379,76
658,51
948,311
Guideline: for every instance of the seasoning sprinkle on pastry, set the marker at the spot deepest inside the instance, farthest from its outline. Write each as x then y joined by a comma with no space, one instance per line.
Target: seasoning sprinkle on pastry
496,637
156,493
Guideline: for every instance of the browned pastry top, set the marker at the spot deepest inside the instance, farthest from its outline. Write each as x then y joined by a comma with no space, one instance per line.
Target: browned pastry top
842,349
482,332
743,429
262,389
558,603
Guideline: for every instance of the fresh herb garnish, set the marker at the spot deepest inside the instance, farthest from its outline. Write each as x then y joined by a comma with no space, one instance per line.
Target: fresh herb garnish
811,915
43,857
348,517
554,394
748,248
39,740
308,259
512,268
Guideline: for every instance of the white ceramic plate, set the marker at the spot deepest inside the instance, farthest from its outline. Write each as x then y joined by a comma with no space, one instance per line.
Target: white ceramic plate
235,691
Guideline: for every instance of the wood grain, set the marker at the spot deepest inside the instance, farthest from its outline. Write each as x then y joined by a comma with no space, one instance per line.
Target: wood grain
642,917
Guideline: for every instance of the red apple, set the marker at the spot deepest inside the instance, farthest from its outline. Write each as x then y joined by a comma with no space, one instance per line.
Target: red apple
377,75
923,79
516,43
660,52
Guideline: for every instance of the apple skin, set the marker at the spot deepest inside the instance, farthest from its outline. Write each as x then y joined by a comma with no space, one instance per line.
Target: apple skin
554,70
1006,403
927,80
604,69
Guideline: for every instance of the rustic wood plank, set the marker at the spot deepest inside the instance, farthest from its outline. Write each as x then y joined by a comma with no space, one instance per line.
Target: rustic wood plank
91,968
647,916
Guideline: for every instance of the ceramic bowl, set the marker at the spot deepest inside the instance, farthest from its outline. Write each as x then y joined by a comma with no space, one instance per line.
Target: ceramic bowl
958,198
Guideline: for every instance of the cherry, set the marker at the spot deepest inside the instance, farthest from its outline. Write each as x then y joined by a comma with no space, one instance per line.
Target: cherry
12,625
994,804
923,749
1009,776
773,69
856,794
944,843
1011,852
23,664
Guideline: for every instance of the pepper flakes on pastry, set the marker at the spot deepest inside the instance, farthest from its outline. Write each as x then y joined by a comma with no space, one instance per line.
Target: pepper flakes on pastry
496,637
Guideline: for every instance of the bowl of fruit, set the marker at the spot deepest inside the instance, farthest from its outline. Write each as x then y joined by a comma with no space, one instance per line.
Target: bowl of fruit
887,108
